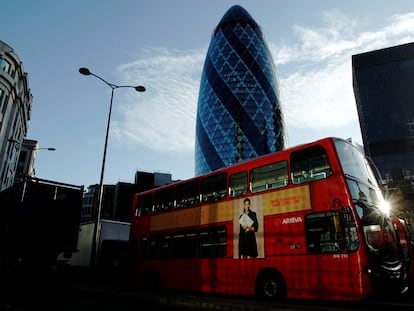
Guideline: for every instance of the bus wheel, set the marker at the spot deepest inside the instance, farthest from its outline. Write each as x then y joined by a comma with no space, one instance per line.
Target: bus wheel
270,285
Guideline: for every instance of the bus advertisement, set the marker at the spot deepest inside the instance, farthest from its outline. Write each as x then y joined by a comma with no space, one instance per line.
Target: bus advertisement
303,223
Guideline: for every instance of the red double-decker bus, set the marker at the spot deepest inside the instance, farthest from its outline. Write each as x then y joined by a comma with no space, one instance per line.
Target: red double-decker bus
304,223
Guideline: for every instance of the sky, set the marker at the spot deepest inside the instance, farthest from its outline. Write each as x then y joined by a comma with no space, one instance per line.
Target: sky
162,44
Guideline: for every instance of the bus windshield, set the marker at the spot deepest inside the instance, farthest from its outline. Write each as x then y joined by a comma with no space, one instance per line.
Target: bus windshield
377,227
354,163
360,178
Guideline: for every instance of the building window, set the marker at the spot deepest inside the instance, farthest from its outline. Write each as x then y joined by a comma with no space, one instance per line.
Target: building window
5,65
5,104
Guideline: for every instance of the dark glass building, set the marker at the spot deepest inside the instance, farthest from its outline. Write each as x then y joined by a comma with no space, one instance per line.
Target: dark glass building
383,82
239,115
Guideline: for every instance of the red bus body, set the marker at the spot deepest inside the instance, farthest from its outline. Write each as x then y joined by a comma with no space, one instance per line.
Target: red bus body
406,247
312,235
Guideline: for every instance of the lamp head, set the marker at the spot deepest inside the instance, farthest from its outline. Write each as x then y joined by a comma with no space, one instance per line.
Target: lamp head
140,88
84,71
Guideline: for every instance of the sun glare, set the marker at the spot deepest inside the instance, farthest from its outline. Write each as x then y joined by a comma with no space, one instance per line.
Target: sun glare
385,207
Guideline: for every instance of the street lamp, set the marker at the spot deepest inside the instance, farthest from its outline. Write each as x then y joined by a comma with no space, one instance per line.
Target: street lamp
27,161
97,227
14,141
49,148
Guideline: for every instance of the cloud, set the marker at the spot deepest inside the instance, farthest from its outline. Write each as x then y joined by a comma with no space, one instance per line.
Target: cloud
314,71
162,118
320,98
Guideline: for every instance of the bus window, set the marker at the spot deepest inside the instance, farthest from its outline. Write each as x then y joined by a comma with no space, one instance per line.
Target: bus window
351,234
213,188
164,199
143,249
324,232
213,242
144,204
159,246
186,194
238,184
310,164
184,244
271,176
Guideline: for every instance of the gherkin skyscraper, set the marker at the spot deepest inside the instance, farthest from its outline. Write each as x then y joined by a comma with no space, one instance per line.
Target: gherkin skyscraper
239,115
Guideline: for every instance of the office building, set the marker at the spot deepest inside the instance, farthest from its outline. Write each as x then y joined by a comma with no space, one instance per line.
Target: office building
239,113
384,92
118,198
15,109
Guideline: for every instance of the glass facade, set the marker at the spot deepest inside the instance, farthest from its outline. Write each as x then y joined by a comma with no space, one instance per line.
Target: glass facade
239,114
384,93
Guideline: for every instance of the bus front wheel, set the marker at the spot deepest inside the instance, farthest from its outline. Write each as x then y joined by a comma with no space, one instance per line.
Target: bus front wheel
270,285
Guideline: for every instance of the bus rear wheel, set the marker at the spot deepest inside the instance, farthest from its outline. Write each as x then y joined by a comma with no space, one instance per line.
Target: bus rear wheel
270,286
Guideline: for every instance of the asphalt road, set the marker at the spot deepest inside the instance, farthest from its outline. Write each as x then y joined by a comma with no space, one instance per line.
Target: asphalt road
75,292
90,298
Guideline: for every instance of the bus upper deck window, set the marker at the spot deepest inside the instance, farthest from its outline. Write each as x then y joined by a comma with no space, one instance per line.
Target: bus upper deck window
310,164
213,188
145,205
187,194
238,184
164,199
271,176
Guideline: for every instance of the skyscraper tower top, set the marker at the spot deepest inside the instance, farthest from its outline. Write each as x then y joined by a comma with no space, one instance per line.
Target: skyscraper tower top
239,114
236,15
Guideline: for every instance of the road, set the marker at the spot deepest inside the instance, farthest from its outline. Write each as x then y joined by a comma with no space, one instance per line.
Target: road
111,300
41,292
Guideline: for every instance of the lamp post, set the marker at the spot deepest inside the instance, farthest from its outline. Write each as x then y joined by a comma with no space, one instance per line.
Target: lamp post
97,226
